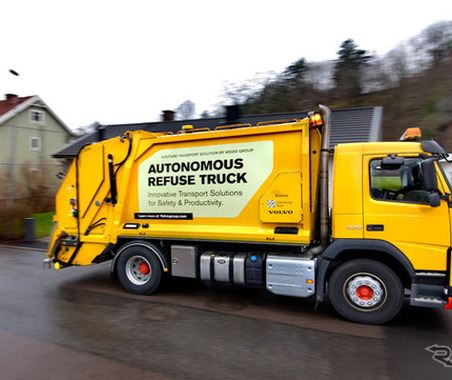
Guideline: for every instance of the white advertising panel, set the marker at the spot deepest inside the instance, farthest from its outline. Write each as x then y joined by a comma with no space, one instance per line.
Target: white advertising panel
206,181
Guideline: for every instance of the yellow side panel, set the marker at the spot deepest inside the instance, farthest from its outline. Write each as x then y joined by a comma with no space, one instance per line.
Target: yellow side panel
90,173
281,202
424,256
88,252
347,182
64,208
347,193
348,226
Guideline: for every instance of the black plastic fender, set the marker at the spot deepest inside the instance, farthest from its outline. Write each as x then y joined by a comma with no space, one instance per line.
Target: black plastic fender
369,245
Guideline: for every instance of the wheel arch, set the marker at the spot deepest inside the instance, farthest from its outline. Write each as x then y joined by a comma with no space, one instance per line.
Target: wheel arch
343,250
151,245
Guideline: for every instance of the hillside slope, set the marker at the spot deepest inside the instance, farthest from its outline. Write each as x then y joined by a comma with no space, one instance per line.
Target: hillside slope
424,101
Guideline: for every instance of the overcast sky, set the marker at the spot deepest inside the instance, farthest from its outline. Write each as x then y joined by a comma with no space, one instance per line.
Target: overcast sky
126,61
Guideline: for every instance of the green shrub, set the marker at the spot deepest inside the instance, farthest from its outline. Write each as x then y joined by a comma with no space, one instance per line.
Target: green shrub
43,224
12,221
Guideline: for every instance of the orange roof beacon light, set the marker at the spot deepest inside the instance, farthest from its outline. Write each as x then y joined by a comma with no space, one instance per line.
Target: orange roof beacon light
315,120
411,134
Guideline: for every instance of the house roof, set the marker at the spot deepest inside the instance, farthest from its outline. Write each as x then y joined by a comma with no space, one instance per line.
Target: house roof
348,125
14,104
11,101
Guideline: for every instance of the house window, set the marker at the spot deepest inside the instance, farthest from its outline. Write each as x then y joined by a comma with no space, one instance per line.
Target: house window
36,117
35,143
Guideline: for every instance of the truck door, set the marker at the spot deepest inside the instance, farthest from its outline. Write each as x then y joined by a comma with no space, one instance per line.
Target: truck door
397,210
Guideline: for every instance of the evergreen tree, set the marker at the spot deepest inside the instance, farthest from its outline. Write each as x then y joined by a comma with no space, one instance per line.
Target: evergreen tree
348,70
295,71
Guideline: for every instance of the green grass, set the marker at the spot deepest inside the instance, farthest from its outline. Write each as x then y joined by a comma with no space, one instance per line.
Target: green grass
43,224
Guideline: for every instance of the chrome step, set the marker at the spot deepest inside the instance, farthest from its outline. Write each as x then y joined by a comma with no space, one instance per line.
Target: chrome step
428,302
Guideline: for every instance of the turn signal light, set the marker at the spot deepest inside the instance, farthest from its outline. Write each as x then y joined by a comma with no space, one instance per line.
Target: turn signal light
315,120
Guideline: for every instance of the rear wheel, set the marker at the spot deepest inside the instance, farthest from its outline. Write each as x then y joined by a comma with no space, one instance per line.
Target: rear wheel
139,270
365,291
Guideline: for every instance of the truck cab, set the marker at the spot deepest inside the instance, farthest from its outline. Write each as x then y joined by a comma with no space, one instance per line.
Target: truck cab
391,207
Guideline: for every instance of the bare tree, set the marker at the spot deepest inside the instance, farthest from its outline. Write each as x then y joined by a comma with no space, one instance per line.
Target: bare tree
437,39
186,110
82,131
245,91
397,63
320,75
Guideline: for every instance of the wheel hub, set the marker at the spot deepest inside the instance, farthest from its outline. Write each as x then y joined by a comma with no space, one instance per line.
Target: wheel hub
365,291
144,268
138,270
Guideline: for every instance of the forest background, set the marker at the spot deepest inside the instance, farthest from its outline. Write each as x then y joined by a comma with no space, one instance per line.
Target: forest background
413,82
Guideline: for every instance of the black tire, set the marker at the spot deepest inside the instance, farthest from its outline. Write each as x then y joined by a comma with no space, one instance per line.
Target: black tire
366,291
139,270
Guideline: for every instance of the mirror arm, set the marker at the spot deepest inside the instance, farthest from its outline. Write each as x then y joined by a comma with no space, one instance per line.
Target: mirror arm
446,197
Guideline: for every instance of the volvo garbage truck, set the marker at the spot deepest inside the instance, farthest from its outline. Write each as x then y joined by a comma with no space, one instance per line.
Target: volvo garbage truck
249,205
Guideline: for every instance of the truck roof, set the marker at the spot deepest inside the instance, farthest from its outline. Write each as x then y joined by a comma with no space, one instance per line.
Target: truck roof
348,125
399,147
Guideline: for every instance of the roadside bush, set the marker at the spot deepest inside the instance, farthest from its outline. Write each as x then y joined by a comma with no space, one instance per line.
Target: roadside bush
12,221
38,191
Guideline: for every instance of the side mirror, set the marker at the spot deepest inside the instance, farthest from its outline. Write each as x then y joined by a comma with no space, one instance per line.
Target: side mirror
429,174
434,199
431,181
392,162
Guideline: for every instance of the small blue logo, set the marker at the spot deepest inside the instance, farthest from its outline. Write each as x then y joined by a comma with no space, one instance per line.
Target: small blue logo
271,204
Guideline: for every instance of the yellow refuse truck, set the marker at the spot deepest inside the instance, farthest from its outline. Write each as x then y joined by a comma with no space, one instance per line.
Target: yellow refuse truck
249,205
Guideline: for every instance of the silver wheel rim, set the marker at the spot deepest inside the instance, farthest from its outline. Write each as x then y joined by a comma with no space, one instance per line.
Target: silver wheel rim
138,270
365,291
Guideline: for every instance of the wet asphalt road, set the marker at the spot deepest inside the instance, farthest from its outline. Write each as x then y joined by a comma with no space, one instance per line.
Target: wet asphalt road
79,324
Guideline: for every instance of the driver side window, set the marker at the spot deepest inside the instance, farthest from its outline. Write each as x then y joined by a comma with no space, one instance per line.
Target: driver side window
403,184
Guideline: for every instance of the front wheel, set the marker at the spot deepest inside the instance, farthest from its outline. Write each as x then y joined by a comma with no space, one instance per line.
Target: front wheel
365,291
139,270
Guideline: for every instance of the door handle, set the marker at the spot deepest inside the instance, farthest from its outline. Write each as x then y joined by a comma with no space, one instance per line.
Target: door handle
375,227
